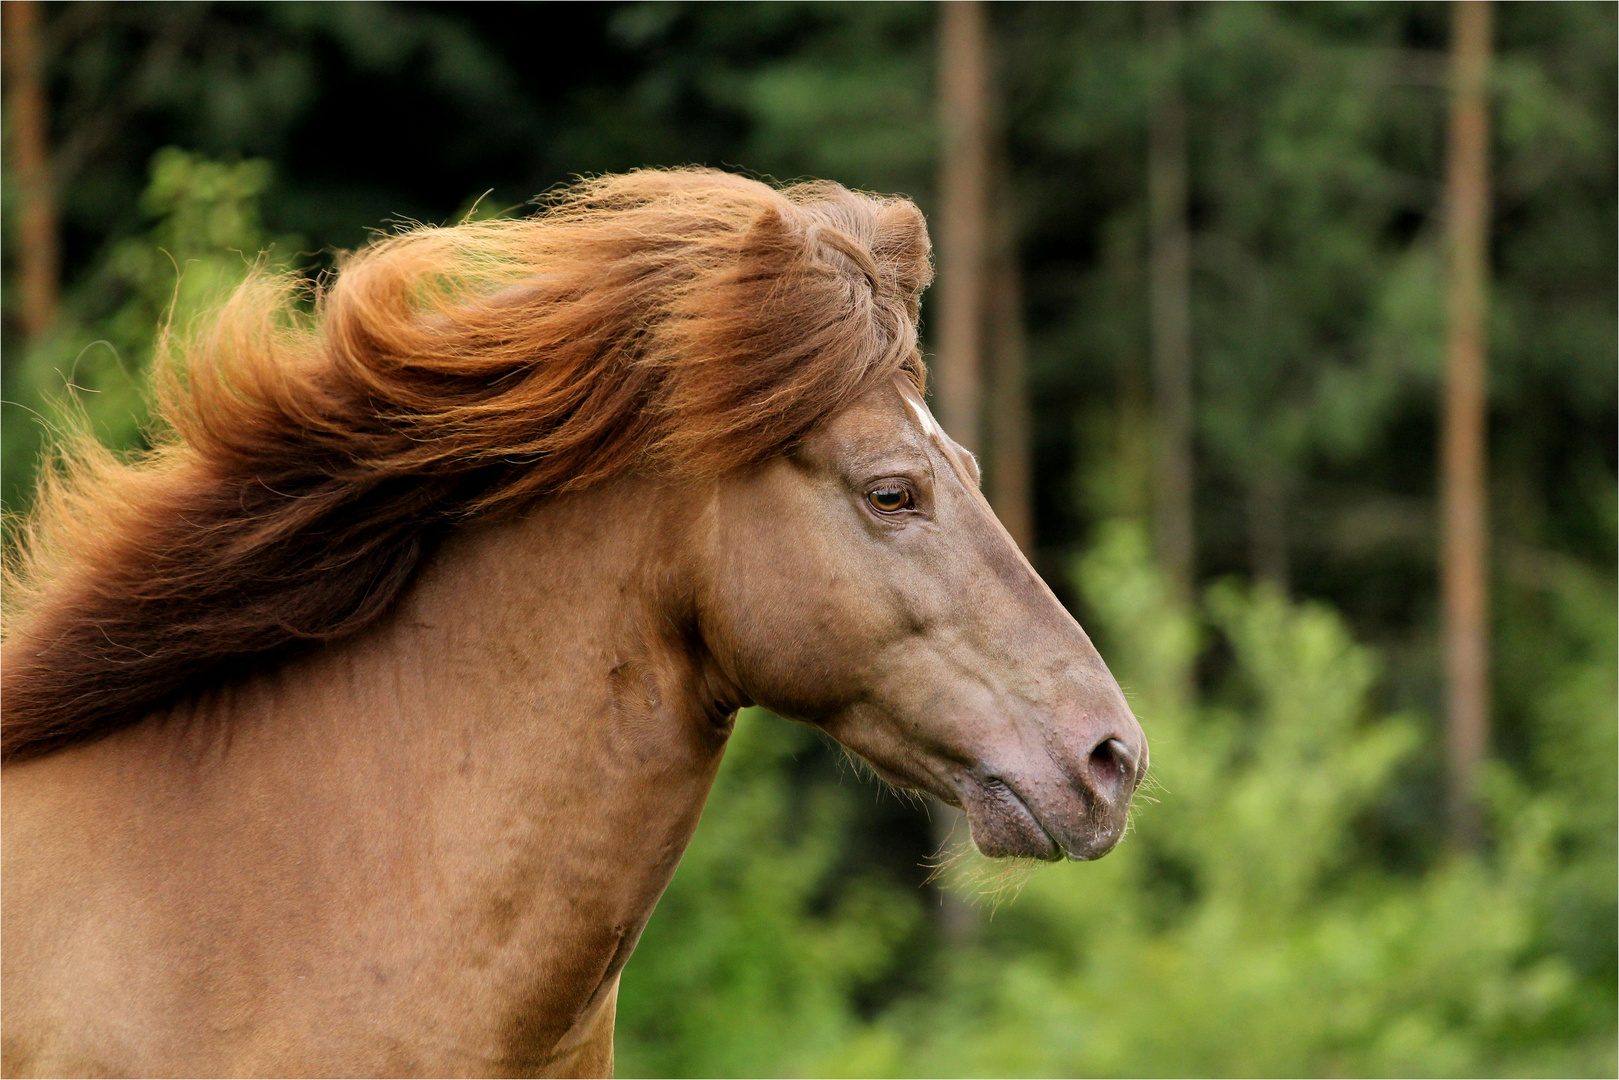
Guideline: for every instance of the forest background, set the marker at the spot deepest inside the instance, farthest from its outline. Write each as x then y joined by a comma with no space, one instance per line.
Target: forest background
1289,901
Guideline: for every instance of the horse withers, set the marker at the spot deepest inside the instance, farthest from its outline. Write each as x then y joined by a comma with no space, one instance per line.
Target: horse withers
357,727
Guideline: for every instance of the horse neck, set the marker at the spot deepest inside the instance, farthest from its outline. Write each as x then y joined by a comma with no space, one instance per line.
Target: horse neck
486,794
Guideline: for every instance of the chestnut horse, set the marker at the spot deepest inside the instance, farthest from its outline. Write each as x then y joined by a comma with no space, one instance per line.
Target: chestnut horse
356,728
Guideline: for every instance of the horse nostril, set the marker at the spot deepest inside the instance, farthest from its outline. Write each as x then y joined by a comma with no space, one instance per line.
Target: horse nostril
1110,767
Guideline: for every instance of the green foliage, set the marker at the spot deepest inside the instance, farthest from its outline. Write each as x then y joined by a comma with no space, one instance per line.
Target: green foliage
1558,645
203,235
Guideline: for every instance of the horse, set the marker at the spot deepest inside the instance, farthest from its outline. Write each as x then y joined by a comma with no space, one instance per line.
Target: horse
356,727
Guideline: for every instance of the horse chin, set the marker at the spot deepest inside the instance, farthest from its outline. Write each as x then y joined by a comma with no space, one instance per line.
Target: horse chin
1005,823
1095,841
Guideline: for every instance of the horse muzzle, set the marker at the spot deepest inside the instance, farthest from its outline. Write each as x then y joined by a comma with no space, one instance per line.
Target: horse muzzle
1072,806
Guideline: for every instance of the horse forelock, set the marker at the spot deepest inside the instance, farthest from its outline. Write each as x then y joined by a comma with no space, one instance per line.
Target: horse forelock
684,321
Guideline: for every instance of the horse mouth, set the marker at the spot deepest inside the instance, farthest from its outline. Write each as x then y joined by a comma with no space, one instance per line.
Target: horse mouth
1004,822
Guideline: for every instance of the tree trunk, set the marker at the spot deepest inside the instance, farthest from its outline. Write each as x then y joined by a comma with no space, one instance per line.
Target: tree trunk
1170,287
1267,526
37,250
1010,484
964,246
1464,554
964,218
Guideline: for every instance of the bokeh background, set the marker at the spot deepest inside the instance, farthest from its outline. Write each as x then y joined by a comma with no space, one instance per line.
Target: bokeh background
1294,898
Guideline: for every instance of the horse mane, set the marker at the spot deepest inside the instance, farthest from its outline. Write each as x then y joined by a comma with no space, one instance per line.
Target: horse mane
307,456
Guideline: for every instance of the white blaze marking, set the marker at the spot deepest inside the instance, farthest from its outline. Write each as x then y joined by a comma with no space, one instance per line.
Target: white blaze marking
924,418
930,428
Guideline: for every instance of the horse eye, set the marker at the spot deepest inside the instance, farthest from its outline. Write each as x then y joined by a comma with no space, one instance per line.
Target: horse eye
890,500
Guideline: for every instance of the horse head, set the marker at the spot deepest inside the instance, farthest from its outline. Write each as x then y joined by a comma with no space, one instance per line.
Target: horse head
862,583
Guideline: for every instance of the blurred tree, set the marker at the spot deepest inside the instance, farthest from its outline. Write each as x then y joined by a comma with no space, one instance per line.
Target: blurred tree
1007,478
963,220
30,153
1171,302
1462,461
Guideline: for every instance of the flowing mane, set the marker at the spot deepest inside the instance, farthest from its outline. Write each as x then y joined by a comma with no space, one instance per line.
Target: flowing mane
687,322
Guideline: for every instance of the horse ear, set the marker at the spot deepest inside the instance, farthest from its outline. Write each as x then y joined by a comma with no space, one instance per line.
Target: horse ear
771,236
902,249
